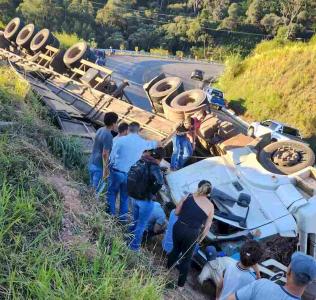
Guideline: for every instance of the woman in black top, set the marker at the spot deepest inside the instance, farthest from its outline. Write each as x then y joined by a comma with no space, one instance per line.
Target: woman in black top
195,212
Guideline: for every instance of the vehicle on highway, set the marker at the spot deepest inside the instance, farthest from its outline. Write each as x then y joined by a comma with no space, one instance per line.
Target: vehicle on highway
215,97
278,130
197,75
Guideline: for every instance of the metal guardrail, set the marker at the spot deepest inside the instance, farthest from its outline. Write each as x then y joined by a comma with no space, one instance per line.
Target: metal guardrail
148,54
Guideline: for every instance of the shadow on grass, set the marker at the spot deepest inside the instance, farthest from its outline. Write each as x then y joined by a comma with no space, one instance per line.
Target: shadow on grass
238,106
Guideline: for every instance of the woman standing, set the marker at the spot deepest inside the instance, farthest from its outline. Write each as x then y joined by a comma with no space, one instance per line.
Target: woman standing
195,213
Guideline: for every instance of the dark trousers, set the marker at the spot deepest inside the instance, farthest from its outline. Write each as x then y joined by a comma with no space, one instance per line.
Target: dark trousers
184,241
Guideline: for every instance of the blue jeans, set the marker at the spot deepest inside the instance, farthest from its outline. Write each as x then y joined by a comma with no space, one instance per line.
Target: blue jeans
96,174
142,210
117,184
182,150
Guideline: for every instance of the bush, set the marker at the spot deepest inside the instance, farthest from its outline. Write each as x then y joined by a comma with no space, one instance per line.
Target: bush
66,39
159,51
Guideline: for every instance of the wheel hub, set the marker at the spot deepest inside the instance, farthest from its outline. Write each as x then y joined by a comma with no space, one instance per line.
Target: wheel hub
286,156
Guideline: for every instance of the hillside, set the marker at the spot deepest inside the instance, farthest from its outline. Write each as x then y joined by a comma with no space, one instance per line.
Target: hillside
278,81
56,241
209,29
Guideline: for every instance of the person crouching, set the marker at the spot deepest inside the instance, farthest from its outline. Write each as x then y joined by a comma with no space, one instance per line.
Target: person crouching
145,179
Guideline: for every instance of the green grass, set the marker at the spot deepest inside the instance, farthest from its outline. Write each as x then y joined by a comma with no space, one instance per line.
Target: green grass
34,262
277,81
67,39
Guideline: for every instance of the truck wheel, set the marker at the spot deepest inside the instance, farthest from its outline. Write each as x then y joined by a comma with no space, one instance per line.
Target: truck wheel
76,53
250,132
12,29
42,39
25,36
165,87
188,100
4,43
286,157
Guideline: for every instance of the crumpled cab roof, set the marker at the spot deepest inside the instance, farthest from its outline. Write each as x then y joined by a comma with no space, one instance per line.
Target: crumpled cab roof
272,196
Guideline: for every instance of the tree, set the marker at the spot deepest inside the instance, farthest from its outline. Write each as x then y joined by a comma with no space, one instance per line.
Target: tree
80,19
259,8
271,23
7,9
234,11
290,10
43,13
220,9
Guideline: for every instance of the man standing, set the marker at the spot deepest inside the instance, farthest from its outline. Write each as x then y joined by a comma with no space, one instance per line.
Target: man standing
98,163
127,151
301,272
145,179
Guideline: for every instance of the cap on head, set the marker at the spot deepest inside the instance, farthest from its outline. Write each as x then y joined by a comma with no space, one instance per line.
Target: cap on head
304,268
210,253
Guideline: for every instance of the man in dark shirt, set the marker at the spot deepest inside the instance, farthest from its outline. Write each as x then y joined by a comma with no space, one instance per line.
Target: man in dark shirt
98,164
142,190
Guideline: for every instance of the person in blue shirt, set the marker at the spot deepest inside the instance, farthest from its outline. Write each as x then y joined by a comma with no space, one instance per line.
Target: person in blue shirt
300,273
157,222
99,159
127,151
167,242
182,148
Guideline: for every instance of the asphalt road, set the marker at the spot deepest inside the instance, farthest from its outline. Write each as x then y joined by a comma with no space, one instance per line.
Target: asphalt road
139,70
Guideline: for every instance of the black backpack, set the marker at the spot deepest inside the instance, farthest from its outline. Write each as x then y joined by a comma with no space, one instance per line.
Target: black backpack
138,180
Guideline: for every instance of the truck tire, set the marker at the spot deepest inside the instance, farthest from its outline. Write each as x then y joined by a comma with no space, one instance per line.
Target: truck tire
57,63
25,36
13,28
4,43
189,100
76,53
42,39
286,157
165,87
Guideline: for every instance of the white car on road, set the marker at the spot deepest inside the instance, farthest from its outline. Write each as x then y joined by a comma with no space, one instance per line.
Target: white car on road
279,131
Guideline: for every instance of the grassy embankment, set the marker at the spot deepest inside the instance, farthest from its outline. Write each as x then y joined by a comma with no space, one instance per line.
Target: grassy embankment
50,250
277,81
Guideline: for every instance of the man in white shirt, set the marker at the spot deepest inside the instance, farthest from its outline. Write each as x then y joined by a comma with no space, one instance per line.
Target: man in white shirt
127,151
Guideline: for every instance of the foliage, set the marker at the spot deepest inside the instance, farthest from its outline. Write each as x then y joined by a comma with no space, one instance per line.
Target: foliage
66,39
277,81
35,262
159,51
174,25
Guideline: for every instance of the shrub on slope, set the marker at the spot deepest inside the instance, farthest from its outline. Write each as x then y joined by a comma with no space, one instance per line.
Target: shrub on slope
278,81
